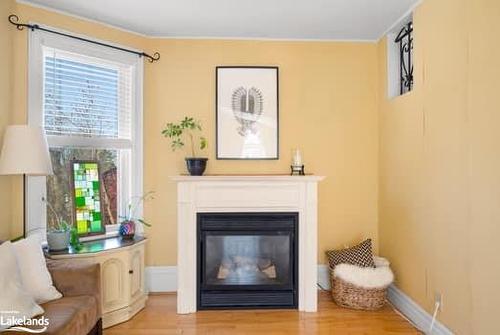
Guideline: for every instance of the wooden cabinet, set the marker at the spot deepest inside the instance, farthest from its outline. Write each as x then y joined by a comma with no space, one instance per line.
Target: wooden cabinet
137,273
114,281
122,277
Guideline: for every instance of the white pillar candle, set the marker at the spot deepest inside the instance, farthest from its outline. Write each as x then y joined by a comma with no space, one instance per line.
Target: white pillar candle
297,158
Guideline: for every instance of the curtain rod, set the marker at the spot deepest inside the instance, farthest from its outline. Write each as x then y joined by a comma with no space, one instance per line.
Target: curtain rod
14,19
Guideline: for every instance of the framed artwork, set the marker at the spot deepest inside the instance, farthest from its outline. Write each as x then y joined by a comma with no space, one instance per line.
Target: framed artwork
86,185
247,109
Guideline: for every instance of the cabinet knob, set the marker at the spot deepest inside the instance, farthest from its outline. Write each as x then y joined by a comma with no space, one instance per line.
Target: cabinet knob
130,271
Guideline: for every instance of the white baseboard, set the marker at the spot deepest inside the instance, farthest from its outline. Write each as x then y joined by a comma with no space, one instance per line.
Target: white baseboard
323,277
164,279
403,303
161,278
416,314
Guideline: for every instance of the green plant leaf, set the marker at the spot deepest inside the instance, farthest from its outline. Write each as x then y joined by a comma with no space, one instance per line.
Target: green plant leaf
188,123
144,222
177,144
175,131
198,125
172,130
203,143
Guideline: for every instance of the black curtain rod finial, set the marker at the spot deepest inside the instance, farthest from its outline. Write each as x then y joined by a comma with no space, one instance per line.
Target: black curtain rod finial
151,59
14,19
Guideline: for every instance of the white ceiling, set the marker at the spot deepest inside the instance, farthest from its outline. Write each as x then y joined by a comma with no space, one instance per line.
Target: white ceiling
265,19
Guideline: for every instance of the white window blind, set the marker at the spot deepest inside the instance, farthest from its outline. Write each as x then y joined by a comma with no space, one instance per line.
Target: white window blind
86,96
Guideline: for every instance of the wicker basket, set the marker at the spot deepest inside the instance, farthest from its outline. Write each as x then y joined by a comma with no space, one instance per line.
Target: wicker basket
348,295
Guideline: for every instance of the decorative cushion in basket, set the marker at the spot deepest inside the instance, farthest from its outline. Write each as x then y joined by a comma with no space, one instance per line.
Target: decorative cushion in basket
360,255
361,287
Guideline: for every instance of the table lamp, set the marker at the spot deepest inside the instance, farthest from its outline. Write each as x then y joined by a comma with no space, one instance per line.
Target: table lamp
25,152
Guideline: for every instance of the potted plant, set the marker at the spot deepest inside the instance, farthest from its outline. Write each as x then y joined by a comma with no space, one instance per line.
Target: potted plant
188,126
58,233
129,222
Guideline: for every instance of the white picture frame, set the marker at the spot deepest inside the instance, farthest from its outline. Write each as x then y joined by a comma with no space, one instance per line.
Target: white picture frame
247,112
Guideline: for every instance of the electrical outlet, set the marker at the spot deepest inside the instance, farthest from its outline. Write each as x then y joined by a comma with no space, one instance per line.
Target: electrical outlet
438,298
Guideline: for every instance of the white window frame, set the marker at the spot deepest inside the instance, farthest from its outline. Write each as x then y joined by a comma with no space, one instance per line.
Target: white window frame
36,212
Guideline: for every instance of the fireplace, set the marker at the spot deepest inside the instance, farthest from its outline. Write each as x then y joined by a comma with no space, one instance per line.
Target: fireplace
246,194
247,260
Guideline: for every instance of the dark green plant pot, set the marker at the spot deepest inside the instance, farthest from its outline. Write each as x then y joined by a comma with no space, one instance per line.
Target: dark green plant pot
196,166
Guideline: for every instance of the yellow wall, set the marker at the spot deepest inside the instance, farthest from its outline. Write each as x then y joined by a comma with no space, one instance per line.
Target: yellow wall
440,168
328,108
426,167
484,163
6,58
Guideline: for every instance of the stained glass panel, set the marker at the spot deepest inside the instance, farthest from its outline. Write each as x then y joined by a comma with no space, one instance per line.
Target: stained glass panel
60,185
87,197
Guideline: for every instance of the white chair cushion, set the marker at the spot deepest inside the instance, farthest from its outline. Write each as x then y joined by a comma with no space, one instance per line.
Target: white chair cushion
35,276
14,302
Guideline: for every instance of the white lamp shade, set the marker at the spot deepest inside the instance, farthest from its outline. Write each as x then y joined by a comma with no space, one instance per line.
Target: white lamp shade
25,151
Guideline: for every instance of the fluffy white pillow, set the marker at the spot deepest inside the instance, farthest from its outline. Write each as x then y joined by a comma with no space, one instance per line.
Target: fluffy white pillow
380,262
365,277
14,302
33,269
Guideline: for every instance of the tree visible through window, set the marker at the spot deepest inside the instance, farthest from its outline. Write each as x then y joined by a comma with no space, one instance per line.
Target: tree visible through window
80,99
59,188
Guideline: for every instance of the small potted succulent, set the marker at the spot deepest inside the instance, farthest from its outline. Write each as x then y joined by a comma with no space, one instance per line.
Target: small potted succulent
188,126
58,232
129,222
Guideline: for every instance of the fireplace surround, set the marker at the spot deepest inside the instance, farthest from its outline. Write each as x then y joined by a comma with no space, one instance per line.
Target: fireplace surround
247,260
246,194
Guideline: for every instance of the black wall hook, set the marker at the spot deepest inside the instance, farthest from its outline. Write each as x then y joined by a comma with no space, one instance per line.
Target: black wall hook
14,19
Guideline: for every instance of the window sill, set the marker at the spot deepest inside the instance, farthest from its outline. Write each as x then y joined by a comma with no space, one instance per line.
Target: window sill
396,97
110,232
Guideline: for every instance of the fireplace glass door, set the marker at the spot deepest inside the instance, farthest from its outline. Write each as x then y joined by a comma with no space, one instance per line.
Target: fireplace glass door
247,260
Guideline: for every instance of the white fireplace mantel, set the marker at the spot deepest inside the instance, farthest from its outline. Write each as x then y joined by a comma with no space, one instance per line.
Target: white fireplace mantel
253,193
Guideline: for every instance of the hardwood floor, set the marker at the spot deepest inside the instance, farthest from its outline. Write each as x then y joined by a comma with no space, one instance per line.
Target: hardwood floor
159,317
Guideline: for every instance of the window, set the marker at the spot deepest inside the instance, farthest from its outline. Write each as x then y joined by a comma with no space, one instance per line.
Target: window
59,186
400,59
88,99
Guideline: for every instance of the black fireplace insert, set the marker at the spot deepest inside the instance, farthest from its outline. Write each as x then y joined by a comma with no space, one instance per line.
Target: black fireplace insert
247,260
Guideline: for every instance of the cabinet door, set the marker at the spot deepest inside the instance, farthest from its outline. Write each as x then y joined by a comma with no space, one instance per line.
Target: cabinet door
115,282
137,272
